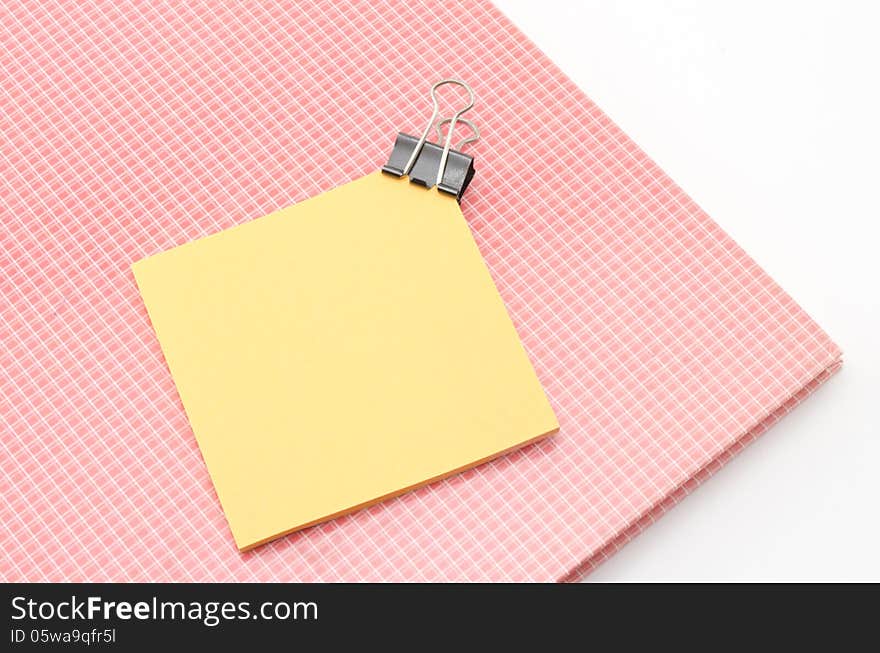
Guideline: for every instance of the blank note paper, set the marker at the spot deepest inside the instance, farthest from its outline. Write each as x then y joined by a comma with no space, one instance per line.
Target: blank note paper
339,351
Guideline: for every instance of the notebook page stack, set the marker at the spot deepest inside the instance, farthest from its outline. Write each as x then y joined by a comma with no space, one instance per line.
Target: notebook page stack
130,129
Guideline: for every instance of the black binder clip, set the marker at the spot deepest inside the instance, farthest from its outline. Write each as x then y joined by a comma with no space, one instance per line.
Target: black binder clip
430,164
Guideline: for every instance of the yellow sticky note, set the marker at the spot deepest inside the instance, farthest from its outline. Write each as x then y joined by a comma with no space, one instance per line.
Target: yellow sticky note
340,351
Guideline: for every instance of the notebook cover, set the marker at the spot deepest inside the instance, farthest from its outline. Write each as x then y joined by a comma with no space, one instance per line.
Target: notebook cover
129,128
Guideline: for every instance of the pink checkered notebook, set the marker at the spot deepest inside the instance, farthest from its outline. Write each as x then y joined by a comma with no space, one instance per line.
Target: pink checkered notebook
127,129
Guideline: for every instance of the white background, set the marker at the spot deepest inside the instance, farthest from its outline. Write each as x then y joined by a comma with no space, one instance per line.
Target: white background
768,115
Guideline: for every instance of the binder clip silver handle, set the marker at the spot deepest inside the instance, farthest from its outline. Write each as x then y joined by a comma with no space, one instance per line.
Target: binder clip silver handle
464,141
429,164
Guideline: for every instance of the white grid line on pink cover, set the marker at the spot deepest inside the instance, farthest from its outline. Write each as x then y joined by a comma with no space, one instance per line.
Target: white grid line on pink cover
400,539
80,440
